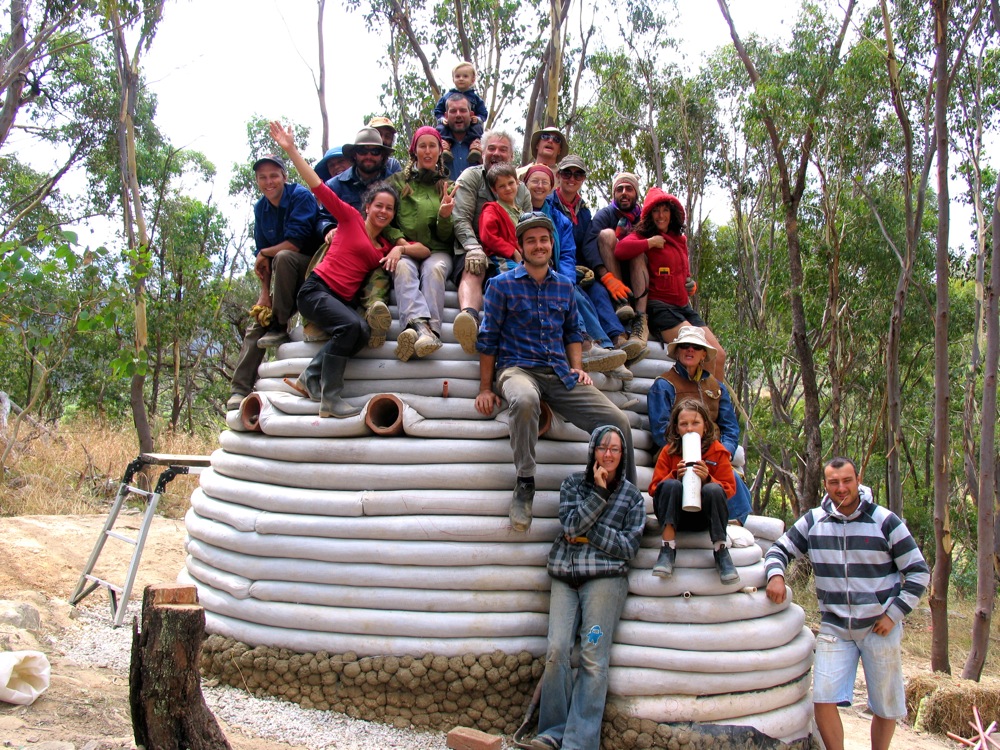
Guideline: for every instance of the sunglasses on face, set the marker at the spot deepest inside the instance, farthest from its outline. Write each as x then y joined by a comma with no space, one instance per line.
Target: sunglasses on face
691,346
550,137
575,174
368,151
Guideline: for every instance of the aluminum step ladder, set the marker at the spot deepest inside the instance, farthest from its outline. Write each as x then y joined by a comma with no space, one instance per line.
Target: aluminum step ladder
119,594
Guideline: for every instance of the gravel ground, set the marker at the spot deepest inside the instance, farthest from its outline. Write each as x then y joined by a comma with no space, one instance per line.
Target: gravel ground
97,644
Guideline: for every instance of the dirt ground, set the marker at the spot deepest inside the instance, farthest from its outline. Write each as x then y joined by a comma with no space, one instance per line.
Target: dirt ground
88,706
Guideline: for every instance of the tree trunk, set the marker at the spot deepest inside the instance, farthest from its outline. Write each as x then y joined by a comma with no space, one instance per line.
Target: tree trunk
985,559
168,708
321,83
940,661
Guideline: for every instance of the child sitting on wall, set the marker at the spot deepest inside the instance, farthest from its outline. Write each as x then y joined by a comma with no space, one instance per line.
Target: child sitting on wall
499,218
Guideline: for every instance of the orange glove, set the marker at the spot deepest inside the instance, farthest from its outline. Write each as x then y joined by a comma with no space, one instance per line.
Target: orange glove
691,285
615,287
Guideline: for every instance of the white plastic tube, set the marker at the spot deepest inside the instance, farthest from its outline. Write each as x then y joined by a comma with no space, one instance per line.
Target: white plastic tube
691,454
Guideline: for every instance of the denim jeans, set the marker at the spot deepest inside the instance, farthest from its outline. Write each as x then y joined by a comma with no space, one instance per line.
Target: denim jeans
571,709
589,321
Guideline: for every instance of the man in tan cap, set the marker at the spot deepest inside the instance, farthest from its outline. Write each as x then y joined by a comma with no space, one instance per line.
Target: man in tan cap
387,130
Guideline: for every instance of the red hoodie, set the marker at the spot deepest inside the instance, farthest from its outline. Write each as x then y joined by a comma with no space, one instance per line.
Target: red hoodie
668,266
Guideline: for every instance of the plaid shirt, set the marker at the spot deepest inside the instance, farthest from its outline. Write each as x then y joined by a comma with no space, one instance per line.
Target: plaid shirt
529,324
611,523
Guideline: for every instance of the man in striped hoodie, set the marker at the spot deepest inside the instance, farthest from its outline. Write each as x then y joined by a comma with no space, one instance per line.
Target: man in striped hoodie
869,575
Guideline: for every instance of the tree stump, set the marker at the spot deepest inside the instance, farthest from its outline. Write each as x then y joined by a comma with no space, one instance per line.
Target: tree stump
168,708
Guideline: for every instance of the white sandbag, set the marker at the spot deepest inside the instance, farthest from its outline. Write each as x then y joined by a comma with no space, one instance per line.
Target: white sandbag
695,609
376,622
628,681
259,414
362,389
724,662
234,421
739,537
676,708
684,539
467,476
787,724
764,632
639,385
378,597
696,581
239,517
304,641
417,426
763,527
265,496
24,675
697,558
650,367
449,578
197,571
362,551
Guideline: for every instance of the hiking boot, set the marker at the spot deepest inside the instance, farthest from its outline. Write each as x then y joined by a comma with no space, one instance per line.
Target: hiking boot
475,155
664,567
332,384
639,328
235,401
623,310
427,341
622,373
632,347
520,505
466,328
599,359
312,332
274,337
406,344
379,319
724,564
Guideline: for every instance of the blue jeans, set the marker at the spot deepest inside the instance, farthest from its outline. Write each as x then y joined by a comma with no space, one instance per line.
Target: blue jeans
571,710
588,319
605,310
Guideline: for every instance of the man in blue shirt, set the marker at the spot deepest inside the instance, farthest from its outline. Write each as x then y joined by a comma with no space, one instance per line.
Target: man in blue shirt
462,145
286,239
531,339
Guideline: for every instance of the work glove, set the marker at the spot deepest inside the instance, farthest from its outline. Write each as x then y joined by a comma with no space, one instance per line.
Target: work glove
262,315
691,285
584,276
475,262
615,287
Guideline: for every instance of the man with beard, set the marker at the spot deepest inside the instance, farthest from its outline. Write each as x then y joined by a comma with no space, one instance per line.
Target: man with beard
462,148
626,286
472,192
548,146
368,155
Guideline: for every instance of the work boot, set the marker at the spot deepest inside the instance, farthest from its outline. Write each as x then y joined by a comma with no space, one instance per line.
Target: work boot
664,567
475,155
406,343
427,341
632,347
599,359
466,327
332,380
624,310
379,319
520,505
276,336
622,373
724,564
639,328
308,383
235,401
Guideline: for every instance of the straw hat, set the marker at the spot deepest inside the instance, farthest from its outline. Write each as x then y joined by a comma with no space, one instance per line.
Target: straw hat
691,335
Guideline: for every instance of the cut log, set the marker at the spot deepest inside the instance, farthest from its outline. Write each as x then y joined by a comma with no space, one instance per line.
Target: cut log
168,709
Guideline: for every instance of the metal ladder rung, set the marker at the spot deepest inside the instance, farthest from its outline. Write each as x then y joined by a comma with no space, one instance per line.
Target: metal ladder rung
139,492
122,537
102,582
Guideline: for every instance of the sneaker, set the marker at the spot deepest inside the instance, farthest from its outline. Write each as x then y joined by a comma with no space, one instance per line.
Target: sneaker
599,359
312,332
273,338
379,319
235,401
664,567
466,329
520,505
622,373
724,564
623,310
406,344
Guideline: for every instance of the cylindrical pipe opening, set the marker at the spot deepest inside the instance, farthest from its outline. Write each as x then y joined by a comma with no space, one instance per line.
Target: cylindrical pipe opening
385,415
250,412
544,419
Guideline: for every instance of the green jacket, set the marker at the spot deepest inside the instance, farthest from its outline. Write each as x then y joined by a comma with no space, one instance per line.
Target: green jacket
417,217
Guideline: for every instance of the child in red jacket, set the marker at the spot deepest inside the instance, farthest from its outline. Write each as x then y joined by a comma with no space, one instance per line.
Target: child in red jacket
499,218
718,482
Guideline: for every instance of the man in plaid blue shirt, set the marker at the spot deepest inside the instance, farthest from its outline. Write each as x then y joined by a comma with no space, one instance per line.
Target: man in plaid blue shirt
531,340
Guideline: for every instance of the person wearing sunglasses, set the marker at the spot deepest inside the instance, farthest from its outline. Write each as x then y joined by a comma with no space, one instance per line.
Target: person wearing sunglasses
548,146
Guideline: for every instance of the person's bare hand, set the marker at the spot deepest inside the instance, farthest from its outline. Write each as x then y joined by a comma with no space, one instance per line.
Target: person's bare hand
701,469
776,589
262,267
487,402
600,476
391,260
328,238
284,138
883,625
656,242
447,205
582,377
475,144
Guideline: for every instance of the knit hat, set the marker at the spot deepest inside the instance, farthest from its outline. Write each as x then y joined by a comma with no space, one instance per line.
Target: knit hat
270,159
533,219
423,130
381,122
366,137
321,168
626,177
691,335
563,143
655,197
539,168
572,161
